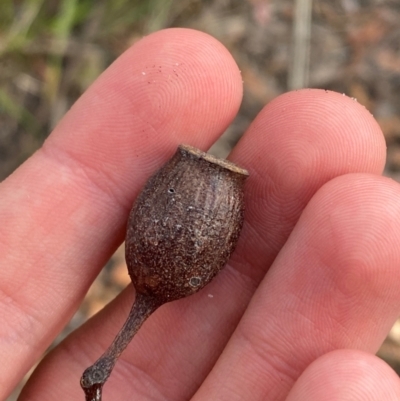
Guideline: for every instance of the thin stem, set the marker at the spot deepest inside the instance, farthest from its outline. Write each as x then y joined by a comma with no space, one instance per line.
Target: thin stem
95,376
298,75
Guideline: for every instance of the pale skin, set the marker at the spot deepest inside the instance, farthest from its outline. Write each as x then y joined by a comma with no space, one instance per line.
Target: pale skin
304,303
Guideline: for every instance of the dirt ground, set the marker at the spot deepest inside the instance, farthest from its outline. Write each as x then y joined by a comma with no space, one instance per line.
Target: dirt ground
354,49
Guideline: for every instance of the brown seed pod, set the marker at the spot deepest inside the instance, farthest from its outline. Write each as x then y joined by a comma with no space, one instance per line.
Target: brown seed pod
181,231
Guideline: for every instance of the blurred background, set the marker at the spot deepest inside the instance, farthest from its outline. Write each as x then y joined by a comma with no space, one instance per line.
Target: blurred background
52,50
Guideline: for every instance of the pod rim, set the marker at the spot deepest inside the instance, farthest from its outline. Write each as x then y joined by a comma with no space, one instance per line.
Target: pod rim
213,159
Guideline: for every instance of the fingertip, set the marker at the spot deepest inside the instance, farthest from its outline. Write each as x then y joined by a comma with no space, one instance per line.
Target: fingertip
347,375
201,66
358,214
340,133
347,255
171,84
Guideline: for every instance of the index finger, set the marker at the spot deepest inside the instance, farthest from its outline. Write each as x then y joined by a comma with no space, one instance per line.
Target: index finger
63,212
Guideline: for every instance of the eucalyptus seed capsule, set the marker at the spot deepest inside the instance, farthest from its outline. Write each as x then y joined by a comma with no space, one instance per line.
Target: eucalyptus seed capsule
185,224
181,231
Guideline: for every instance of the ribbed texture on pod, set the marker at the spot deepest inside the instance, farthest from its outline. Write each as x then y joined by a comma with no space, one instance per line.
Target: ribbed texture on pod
185,224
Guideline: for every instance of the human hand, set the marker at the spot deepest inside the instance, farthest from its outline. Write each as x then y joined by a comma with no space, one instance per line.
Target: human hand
320,219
